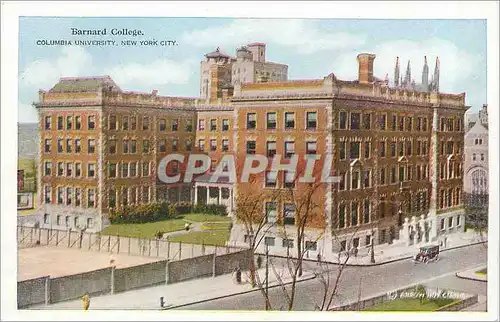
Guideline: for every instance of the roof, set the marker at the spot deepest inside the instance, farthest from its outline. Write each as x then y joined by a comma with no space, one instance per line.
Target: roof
84,84
208,176
217,53
256,44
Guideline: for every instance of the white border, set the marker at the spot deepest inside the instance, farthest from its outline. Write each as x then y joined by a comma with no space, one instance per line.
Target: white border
400,10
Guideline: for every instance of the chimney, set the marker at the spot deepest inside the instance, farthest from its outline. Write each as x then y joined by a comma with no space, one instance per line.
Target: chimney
154,92
485,107
365,72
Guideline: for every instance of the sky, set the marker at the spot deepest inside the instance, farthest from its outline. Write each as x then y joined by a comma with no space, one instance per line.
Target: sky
312,48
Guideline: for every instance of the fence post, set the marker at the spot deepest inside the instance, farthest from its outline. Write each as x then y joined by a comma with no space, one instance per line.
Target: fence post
213,262
69,237
109,242
168,249
31,235
149,247
167,266
80,242
99,239
112,286
57,238
202,248
48,236
47,290
129,245
192,250
180,250
157,248
90,239
118,249
40,236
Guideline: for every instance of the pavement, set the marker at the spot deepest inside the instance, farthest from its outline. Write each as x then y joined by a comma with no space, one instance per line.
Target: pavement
368,281
180,294
472,275
397,251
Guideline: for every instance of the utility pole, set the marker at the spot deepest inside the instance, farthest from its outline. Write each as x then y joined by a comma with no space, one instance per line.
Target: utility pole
267,277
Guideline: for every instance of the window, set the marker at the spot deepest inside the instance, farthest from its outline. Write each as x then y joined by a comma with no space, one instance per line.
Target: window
133,169
443,125
69,169
367,119
310,245
401,174
354,214
401,149
213,145
251,121
288,243
213,125
409,123
289,120
458,221
450,222
133,123
343,120
91,146
145,194
368,146
46,218
91,170
124,170
401,123
69,196
60,168
342,216
48,143
473,157
271,179
354,150
225,145
76,221
201,145
133,146
125,123
112,198
189,145
188,127
409,173
271,121
225,125
162,125
112,170
442,171
145,123
271,148
343,246
449,147
90,222
418,125
59,146
289,177
482,156
393,123
342,181
383,122
91,199
112,146
48,194
289,214
393,149
145,146
382,151
271,215
201,125
59,122
112,122
175,145
424,124
366,212
311,120
78,169
393,175
289,149
355,180
69,122
60,193
342,149
125,146
175,125
48,122
48,168
310,147
419,147
408,148
58,220
382,176
355,121
449,124
162,146
366,179
145,169
91,122
269,241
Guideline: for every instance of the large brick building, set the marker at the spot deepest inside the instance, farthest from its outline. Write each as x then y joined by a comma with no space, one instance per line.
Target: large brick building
397,148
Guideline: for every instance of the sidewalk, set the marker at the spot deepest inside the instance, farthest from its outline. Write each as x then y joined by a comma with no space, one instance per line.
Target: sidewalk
390,253
175,295
471,275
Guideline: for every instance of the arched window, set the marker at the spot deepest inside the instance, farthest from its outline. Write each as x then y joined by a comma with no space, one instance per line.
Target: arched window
479,180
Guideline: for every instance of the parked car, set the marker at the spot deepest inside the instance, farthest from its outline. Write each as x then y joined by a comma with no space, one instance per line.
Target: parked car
427,253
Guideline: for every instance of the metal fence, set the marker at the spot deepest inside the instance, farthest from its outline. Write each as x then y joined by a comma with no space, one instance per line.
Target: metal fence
157,248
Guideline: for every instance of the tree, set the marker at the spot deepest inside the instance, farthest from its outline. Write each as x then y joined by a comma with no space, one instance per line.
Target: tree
421,293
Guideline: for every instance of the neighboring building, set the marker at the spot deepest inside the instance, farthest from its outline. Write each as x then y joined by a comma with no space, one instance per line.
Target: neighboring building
249,66
27,137
476,155
100,148
482,117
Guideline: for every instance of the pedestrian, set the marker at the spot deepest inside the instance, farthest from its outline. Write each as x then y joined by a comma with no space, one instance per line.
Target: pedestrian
186,226
86,302
111,259
259,261
318,258
355,251
238,275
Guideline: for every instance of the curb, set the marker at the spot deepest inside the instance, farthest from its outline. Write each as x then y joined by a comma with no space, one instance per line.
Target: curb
459,275
232,294
380,263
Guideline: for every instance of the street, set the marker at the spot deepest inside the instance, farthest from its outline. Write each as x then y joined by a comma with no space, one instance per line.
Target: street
375,280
